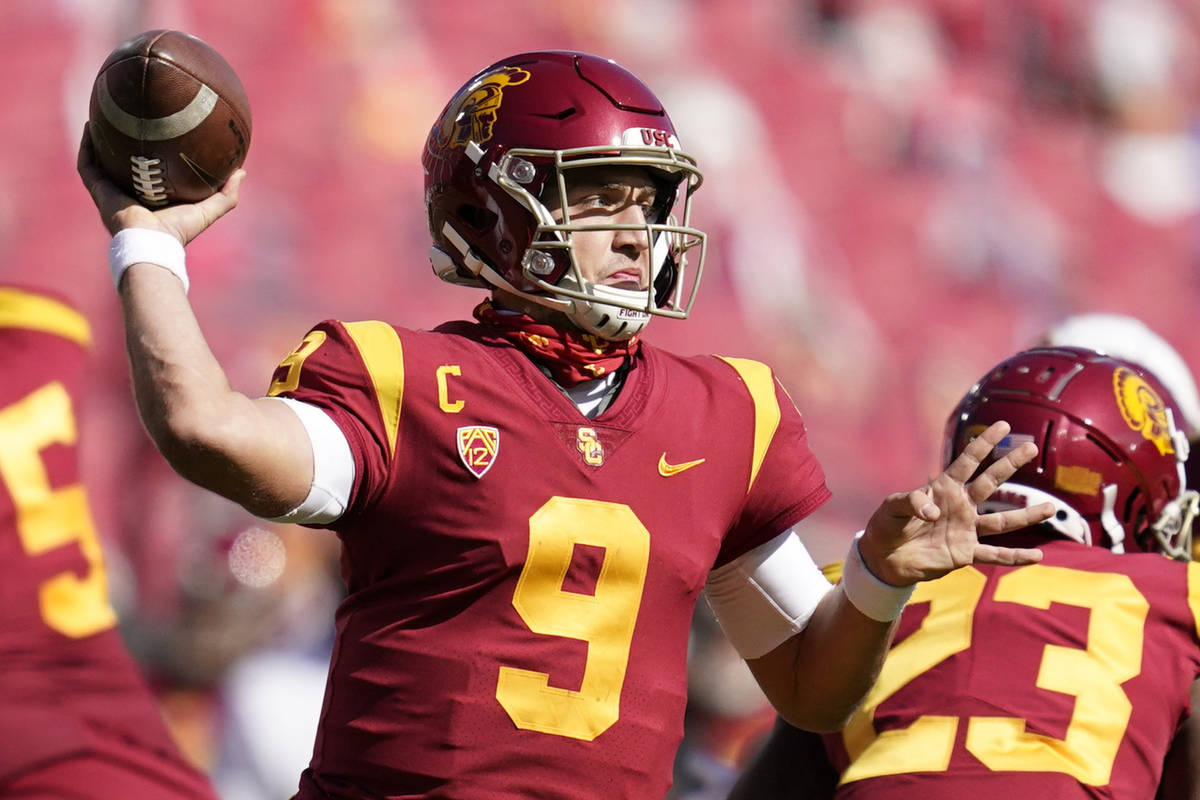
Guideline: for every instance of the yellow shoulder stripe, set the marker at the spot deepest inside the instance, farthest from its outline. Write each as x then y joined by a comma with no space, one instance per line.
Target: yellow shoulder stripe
35,312
1193,589
761,385
379,345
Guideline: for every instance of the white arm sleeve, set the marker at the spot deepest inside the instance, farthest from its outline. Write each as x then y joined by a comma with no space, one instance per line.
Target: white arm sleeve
333,467
766,596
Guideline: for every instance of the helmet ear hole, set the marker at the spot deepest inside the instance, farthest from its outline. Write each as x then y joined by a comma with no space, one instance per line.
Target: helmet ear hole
479,219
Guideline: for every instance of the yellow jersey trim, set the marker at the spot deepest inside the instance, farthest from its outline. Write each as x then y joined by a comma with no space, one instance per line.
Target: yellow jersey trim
761,385
379,345
35,312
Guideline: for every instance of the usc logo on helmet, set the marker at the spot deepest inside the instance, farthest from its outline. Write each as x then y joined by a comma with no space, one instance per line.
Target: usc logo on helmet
471,115
1144,411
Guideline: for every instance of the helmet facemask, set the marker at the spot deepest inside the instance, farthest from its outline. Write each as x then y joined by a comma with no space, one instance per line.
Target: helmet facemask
550,264
1172,530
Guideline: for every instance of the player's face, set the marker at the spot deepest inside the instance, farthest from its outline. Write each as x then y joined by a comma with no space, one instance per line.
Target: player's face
616,195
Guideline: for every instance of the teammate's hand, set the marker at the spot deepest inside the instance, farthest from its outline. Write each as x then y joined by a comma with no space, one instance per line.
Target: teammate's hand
119,211
925,533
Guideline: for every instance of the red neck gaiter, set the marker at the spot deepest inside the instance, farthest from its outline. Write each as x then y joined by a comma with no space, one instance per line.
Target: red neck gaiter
571,355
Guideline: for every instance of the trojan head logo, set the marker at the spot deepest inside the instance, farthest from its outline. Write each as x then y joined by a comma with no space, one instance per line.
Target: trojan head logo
1144,411
472,113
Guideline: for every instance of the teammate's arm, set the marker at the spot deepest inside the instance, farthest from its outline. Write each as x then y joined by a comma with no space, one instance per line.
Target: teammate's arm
254,452
792,765
1181,768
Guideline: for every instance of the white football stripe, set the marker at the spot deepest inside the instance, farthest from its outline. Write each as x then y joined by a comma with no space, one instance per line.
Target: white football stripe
163,128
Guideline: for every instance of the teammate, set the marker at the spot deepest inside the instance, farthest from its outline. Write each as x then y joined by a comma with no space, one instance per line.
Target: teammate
76,718
1069,678
530,504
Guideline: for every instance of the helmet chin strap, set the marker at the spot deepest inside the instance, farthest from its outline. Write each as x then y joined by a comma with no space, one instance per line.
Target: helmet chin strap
1108,519
609,321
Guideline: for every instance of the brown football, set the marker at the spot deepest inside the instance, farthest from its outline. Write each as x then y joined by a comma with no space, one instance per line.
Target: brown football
169,119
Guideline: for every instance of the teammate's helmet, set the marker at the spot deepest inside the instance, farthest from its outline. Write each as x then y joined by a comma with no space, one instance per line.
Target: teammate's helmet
505,142
1111,457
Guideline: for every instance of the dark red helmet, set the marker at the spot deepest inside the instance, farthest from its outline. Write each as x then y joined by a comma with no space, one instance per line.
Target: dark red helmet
1111,456
505,141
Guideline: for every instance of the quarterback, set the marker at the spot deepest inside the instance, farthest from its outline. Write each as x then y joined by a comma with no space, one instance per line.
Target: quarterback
531,502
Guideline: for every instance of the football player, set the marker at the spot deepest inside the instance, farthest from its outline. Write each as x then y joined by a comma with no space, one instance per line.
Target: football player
76,718
1071,678
530,503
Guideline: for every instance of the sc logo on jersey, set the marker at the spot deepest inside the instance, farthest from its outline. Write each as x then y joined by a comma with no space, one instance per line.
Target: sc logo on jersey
588,445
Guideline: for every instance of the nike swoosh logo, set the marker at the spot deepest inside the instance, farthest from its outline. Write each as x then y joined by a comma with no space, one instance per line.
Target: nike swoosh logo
667,470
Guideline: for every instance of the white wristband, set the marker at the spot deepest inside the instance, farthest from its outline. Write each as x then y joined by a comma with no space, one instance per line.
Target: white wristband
145,246
880,601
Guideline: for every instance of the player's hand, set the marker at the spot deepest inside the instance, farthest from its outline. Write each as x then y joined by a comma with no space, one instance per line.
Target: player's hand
924,534
119,211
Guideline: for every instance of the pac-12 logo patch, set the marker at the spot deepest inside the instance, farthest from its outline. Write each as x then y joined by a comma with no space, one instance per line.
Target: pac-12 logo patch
477,447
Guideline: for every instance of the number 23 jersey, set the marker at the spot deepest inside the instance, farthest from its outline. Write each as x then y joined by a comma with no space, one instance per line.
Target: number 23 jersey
521,578
1068,678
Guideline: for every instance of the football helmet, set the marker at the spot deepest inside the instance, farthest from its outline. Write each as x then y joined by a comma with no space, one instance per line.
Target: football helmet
1110,455
1131,339
508,139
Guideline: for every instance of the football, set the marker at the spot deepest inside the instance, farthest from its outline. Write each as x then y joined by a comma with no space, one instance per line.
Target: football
168,118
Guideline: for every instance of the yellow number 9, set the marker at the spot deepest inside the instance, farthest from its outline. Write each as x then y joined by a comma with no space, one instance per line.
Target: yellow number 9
604,620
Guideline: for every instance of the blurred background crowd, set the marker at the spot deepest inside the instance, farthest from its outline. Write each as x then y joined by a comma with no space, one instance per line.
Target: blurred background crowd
899,193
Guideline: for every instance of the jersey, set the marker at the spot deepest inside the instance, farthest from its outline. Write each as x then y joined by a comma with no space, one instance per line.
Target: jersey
1064,679
75,714
521,578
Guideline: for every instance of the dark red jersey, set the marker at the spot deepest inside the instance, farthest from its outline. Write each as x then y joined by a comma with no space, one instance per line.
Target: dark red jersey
71,699
521,578
1064,679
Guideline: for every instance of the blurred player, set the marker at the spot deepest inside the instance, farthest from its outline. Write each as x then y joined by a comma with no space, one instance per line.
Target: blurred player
531,503
1069,678
76,718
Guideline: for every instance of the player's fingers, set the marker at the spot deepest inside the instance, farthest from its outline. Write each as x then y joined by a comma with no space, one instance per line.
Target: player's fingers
1001,470
905,505
963,467
1006,556
221,203
1012,520
85,165
83,161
